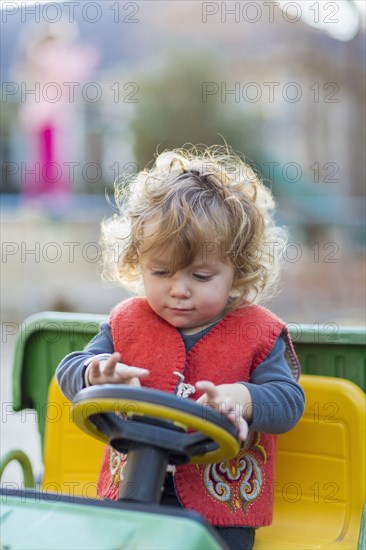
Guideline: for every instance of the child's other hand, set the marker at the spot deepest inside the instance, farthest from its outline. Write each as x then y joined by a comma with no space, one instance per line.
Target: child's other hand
226,399
110,371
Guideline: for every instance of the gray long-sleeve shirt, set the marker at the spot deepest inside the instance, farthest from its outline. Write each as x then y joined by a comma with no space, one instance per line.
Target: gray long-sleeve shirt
278,400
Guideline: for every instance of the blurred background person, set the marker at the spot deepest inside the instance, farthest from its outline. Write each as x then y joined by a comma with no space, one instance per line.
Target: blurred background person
50,60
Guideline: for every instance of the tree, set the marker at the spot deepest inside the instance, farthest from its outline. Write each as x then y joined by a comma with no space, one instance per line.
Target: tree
183,104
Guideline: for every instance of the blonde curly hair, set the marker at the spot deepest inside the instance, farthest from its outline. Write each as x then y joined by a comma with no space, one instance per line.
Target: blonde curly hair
205,200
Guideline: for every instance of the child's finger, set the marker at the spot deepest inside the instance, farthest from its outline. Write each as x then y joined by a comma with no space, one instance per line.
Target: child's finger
126,373
111,363
135,382
208,387
94,369
241,424
243,429
227,406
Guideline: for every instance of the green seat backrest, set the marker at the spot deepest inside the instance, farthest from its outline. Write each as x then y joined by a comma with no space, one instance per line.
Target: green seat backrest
330,350
44,340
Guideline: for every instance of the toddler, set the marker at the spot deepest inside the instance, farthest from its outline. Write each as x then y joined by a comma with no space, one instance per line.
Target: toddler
195,234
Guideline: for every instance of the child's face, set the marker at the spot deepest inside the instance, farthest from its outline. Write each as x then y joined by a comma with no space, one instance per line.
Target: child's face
191,298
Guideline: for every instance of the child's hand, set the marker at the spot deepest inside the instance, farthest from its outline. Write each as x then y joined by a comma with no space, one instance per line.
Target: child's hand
110,371
228,399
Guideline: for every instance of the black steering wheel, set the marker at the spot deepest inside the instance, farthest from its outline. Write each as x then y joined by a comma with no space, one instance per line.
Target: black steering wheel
156,429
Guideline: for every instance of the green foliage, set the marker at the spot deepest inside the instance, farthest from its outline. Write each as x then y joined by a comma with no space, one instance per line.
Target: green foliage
174,110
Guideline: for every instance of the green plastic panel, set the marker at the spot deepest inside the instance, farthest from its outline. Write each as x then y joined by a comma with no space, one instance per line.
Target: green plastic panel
47,337
62,526
332,351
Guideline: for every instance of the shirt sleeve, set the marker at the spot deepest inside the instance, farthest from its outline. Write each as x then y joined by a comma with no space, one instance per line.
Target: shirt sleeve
70,372
278,400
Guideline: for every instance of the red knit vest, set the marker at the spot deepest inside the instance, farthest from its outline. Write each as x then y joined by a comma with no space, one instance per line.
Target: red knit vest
237,492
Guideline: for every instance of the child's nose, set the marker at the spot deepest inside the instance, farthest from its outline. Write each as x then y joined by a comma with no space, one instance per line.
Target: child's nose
179,289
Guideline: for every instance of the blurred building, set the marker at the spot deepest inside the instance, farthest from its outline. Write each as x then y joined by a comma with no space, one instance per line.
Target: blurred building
299,93
304,88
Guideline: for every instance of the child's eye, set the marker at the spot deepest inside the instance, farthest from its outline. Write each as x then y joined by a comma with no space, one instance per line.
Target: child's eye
202,277
160,273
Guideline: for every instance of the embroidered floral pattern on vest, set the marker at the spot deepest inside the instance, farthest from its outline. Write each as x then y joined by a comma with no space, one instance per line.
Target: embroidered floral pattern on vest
117,465
246,466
